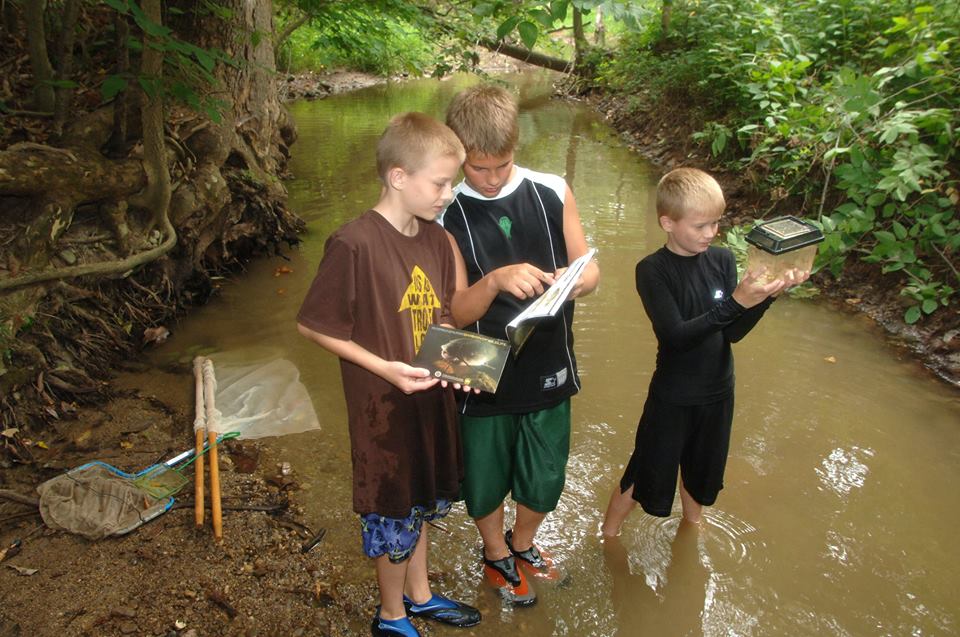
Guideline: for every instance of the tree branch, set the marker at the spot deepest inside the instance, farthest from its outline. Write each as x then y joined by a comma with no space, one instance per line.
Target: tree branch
289,29
531,57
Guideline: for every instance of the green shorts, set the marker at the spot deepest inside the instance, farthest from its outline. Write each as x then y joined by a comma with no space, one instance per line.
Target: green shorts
525,454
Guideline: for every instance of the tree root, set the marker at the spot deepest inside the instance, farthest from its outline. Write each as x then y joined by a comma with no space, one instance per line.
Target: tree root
105,268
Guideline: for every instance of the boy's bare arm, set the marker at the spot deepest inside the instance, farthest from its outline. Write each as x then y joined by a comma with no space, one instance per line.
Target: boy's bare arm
406,378
470,302
577,246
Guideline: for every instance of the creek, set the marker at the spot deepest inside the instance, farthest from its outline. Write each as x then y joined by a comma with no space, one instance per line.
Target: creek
840,510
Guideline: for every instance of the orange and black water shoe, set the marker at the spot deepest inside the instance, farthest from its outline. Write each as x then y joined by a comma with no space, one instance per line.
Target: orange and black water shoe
538,564
504,575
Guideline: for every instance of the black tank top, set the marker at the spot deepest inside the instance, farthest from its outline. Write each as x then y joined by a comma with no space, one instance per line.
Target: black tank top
522,224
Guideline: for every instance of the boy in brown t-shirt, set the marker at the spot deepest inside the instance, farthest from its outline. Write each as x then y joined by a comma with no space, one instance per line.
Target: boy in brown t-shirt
384,278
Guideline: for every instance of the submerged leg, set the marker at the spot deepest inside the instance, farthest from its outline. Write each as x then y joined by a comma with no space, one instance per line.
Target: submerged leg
692,510
620,505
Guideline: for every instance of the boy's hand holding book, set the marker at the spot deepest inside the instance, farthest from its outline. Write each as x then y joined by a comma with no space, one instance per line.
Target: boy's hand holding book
406,378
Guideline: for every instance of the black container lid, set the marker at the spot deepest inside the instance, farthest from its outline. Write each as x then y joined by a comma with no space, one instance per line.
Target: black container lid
784,234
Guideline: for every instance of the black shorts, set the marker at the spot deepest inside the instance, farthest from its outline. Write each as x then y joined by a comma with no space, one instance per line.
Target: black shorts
693,438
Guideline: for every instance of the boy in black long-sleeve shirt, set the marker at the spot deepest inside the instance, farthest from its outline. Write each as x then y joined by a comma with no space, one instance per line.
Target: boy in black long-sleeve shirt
690,292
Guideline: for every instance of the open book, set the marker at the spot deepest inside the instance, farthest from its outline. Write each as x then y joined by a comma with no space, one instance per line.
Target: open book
548,304
468,358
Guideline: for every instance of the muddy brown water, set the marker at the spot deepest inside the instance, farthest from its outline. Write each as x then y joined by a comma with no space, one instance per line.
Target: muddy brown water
840,510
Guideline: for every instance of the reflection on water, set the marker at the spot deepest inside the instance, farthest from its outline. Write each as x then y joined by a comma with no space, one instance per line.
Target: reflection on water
840,513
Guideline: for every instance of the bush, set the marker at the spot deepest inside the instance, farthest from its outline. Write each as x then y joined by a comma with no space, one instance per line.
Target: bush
848,107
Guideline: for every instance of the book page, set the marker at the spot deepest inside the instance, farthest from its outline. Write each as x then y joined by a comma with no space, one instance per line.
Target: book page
548,304
468,358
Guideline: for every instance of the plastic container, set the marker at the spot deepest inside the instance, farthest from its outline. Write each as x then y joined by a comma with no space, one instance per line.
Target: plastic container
782,244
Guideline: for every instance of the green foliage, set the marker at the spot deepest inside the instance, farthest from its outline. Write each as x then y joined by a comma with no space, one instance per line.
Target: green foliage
378,37
188,69
847,107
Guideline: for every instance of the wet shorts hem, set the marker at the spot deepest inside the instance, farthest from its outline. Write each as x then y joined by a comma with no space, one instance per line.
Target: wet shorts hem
397,537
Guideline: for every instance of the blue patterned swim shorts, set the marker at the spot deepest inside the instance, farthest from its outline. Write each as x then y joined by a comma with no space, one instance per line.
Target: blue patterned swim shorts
396,537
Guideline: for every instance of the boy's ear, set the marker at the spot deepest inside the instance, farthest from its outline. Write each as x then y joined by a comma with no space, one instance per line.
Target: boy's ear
397,178
666,223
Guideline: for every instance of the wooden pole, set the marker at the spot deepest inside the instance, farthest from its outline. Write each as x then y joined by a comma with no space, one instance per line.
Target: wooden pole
213,421
199,428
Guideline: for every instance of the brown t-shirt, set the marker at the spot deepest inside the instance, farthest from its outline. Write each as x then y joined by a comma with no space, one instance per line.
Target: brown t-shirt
382,289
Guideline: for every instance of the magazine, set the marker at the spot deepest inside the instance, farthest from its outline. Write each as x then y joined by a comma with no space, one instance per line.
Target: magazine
548,304
468,358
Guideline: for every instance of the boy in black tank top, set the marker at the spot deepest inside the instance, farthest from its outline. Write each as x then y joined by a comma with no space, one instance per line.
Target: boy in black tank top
513,231
690,292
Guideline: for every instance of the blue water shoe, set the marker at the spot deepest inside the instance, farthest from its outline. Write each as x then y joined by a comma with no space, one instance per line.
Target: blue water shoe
444,610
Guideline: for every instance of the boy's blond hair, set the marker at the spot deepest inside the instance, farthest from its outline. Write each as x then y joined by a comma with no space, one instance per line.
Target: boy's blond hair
685,191
412,140
484,117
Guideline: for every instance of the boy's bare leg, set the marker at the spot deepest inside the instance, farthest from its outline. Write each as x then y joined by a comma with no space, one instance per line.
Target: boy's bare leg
619,507
692,510
525,527
491,530
390,577
417,586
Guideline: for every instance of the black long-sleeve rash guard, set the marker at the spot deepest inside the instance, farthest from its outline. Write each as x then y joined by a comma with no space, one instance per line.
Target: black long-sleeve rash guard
690,302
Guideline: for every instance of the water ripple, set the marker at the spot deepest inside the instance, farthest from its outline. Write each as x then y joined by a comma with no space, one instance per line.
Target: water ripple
842,471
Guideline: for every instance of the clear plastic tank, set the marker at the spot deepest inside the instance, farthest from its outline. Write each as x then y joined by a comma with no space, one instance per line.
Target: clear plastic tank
782,244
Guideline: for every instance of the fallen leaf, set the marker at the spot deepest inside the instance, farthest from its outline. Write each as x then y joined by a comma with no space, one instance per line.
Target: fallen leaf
10,433
124,444
831,359
42,445
155,334
282,270
23,570
853,301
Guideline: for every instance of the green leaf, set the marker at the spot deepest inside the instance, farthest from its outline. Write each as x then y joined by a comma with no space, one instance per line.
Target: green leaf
884,237
205,60
484,9
118,5
543,18
146,24
62,83
528,33
559,9
929,305
912,315
150,87
899,230
507,26
112,86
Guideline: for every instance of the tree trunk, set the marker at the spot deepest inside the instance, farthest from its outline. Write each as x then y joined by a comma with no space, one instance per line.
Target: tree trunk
599,30
248,149
579,39
9,16
121,104
666,10
43,97
64,95
156,198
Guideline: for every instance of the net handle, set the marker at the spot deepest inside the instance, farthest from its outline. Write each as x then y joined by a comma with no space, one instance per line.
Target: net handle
230,435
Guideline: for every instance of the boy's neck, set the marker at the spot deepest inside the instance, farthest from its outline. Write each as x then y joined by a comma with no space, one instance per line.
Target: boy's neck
671,246
402,221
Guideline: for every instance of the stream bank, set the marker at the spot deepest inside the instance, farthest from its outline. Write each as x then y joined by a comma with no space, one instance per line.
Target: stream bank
664,136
